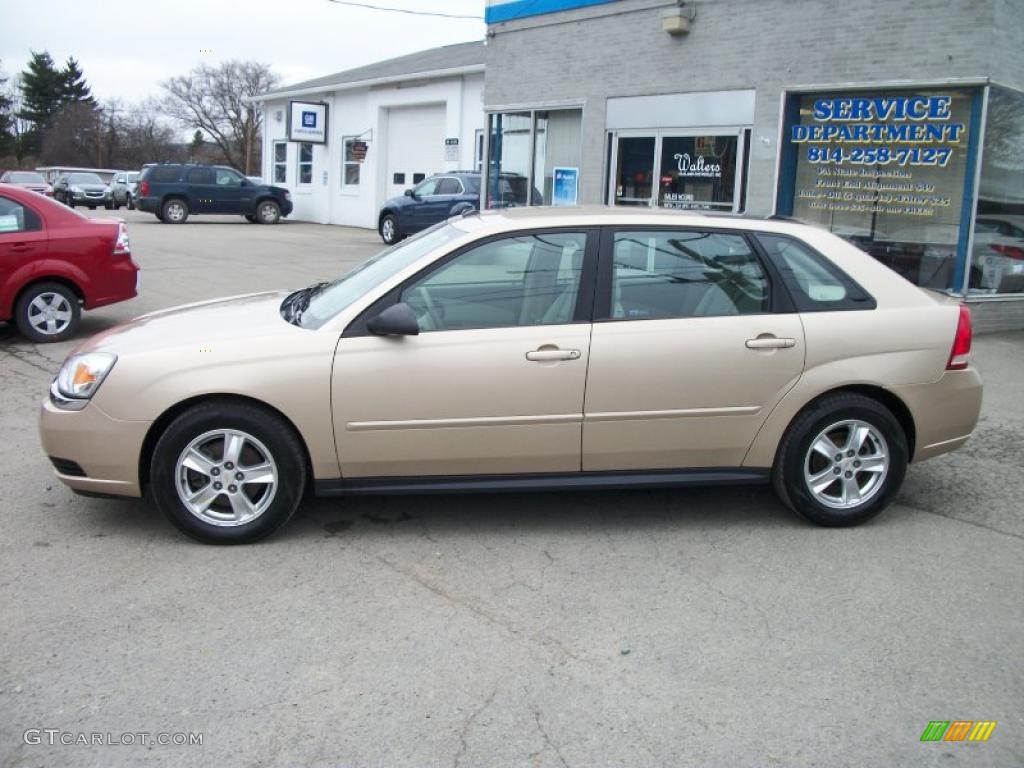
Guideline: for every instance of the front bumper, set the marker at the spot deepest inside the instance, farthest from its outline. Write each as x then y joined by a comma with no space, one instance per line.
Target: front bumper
286,207
106,449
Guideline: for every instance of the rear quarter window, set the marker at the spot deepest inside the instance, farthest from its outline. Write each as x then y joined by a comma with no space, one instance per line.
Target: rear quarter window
814,283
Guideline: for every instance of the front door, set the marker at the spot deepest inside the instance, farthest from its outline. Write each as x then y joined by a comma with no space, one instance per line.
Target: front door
494,382
690,358
233,193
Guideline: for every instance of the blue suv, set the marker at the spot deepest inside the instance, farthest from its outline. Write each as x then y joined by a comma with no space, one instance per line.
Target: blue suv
442,196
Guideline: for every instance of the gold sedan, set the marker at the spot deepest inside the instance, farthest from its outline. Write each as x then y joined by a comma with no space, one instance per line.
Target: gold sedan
530,349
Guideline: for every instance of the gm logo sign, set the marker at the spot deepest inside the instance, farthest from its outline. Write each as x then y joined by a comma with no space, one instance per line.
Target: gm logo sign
308,119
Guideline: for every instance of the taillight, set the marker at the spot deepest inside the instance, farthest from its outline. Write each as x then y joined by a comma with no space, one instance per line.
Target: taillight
1009,251
143,189
121,247
960,355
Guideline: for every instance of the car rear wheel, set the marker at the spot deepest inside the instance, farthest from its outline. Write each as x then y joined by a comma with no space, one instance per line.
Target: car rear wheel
268,212
131,203
228,473
389,229
175,211
841,461
47,312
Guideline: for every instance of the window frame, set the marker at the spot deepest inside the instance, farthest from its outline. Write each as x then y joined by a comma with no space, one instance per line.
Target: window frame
779,299
299,163
36,218
345,163
586,291
275,163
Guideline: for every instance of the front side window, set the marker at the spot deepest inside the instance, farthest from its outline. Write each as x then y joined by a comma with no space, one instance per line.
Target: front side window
280,162
228,178
305,163
352,166
427,188
683,273
512,281
15,217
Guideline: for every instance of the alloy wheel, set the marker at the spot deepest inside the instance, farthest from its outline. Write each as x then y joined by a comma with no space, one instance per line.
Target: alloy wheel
846,464
49,313
226,477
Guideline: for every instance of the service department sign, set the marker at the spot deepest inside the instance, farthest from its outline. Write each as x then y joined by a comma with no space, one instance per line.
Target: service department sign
307,121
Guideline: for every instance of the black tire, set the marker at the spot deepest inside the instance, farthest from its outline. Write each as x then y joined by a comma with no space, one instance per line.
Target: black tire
131,203
174,211
110,206
27,312
69,202
388,229
795,455
276,436
92,207
268,212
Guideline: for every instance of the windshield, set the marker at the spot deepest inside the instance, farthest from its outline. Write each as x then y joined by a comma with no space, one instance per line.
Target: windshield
27,177
84,178
133,176
333,297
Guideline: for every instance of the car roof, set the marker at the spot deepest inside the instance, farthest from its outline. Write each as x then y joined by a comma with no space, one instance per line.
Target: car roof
607,215
1009,218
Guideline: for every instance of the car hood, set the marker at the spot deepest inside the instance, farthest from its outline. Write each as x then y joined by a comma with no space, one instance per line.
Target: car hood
203,325
90,187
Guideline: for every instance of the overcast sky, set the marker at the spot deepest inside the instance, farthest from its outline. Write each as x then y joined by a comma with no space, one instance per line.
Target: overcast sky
126,47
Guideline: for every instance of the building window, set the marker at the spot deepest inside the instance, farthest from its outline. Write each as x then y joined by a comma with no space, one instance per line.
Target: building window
996,265
305,163
889,170
478,152
350,165
280,175
525,149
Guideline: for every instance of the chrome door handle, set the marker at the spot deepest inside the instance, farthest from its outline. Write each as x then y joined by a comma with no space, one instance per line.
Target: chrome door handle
547,355
770,342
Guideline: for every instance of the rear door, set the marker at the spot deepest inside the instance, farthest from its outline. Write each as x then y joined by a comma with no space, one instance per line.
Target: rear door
690,351
202,189
23,242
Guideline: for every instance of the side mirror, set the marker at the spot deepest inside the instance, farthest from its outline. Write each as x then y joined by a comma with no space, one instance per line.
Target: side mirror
410,193
245,183
396,320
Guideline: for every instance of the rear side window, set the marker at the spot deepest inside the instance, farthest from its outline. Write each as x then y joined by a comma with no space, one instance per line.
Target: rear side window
685,273
15,217
815,283
200,176
164,173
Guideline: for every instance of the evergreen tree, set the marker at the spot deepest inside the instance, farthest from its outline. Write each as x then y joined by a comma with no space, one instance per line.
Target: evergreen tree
6,118
73,88
41,99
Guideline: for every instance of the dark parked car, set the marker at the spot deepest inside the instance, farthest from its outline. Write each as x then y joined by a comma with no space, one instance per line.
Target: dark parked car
55,261
174,191
82,189
27,180
442,196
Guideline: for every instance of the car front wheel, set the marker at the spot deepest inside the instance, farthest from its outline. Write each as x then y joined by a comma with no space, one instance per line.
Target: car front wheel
268,212
842,460
389,229
47,312
228,472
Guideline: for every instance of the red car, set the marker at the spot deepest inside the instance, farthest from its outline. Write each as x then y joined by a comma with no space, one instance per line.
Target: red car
55,261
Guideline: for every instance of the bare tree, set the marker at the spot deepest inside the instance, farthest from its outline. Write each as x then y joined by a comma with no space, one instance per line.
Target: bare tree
211,99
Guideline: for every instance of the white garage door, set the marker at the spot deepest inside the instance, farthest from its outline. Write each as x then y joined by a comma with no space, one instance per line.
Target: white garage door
415,146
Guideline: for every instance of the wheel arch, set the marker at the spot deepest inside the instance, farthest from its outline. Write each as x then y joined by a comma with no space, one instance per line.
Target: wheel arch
67,282
883,396
159,426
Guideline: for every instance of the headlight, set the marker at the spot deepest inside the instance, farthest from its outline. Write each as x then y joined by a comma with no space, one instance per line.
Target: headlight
287,195
76,190
81,376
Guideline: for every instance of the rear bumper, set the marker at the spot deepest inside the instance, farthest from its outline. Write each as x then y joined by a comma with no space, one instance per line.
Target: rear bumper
945,412
106,449
147,204
118,283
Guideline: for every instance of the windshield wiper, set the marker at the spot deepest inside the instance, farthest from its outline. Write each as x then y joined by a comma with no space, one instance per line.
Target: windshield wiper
298,302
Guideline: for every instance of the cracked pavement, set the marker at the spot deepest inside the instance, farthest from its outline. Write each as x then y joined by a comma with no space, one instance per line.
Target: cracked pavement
706,627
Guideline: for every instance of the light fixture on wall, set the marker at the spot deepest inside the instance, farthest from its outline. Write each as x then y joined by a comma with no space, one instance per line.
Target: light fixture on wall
676,21
278,116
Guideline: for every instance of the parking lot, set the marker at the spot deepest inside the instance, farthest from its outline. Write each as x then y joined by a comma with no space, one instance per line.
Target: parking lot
643,628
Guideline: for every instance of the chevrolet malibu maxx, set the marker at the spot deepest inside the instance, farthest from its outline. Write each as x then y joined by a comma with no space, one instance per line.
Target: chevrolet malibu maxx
529,349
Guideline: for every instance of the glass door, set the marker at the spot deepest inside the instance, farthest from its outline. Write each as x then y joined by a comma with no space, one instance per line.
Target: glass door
676,168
